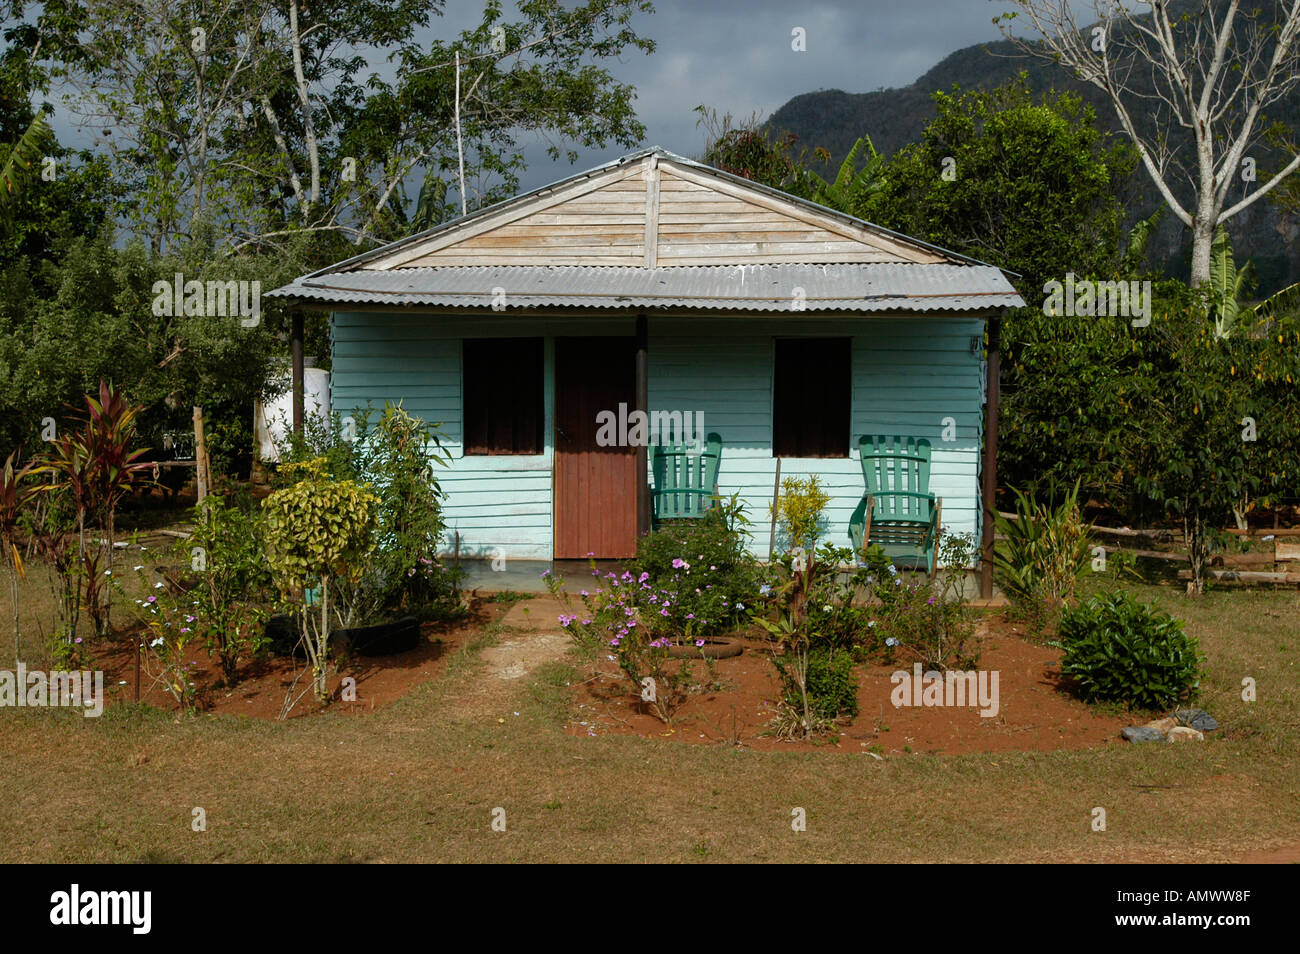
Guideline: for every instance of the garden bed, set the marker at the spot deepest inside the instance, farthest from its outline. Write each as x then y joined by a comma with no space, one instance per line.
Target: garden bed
1035,713
260,692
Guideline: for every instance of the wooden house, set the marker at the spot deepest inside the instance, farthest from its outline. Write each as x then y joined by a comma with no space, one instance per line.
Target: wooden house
656,283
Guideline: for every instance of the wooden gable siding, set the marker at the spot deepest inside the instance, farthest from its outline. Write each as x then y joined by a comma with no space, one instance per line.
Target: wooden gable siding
700,225
656,213
601,226
908,375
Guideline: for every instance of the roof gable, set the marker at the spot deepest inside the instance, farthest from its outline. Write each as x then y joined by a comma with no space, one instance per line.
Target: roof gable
653,210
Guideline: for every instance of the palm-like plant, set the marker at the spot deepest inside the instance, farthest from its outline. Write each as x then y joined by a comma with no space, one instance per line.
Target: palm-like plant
19,168
97,465
15,493
852,186
1227,292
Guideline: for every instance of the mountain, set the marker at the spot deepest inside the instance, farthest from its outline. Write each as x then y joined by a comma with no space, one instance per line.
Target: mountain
834,119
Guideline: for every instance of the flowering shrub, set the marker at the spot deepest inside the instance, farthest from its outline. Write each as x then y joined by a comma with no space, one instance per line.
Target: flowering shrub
929,621
170,626
705,567
637,625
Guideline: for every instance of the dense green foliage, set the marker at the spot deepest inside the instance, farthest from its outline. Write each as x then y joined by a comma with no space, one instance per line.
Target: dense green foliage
230,582
1119,650
1031,185
703,563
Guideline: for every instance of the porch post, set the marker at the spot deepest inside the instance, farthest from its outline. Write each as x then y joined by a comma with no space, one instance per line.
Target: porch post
989,465
295,350
643,405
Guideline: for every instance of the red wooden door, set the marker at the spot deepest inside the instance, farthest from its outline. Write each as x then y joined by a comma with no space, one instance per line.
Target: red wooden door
595,487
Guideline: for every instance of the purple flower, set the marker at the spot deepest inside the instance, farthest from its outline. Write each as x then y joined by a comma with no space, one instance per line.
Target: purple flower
679,564
699,643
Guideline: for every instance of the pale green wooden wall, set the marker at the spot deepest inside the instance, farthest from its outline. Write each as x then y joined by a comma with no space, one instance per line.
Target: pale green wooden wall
908,375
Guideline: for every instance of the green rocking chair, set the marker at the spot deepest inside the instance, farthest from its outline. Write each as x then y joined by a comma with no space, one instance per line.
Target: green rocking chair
685,479
898,512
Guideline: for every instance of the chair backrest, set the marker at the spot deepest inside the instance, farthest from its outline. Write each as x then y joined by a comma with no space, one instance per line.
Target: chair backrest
685,477
894,469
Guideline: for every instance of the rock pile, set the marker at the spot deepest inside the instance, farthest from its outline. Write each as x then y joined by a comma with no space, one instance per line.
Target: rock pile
1185,725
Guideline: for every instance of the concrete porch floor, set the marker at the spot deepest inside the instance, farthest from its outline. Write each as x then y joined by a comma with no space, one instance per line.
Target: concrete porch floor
525,576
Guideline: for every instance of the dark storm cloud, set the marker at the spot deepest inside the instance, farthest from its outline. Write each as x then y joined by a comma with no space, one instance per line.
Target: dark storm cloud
737,58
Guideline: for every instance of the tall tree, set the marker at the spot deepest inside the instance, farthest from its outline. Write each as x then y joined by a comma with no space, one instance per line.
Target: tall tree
1202,74
272,119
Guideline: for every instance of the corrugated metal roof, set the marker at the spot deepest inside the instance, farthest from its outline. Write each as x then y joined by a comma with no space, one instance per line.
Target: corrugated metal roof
755,288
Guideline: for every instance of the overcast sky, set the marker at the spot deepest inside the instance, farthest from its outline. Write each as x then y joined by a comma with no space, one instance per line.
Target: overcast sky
737,57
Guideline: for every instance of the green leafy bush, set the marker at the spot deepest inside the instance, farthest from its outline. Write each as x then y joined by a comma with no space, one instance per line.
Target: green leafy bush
231,581
705,566
1120,650
398,454
319,538
832,683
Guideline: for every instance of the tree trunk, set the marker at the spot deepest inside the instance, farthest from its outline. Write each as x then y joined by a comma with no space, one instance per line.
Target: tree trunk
1198,553
1202,246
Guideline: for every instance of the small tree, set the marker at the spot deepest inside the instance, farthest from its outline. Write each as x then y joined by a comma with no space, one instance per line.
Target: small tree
232,576
319,536
97,465
1212,420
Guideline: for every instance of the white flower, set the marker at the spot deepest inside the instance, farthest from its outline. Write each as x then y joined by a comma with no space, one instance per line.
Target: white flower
158,585
827,608
156,643
137,567
108,572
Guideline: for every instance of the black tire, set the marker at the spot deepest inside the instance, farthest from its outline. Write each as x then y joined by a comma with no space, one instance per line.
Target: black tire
383,639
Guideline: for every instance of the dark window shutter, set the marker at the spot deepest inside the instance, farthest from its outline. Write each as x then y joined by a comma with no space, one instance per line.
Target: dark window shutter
503,381
812,397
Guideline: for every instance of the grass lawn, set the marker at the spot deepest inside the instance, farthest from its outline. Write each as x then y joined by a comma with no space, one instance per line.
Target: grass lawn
418,781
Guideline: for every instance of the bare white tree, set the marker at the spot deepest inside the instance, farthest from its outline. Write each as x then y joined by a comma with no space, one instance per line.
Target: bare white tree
1200,75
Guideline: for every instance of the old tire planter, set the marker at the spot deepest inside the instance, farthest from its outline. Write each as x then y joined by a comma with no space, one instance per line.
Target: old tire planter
715,647
384,639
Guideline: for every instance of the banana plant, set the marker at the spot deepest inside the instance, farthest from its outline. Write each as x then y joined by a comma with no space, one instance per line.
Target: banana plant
1227,285
18,170
851,185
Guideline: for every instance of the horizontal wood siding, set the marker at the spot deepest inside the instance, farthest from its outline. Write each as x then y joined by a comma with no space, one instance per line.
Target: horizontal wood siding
908,375
702,226
605,227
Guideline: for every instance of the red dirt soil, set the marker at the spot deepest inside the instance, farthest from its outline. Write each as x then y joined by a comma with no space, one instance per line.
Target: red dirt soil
1034,713
263,682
